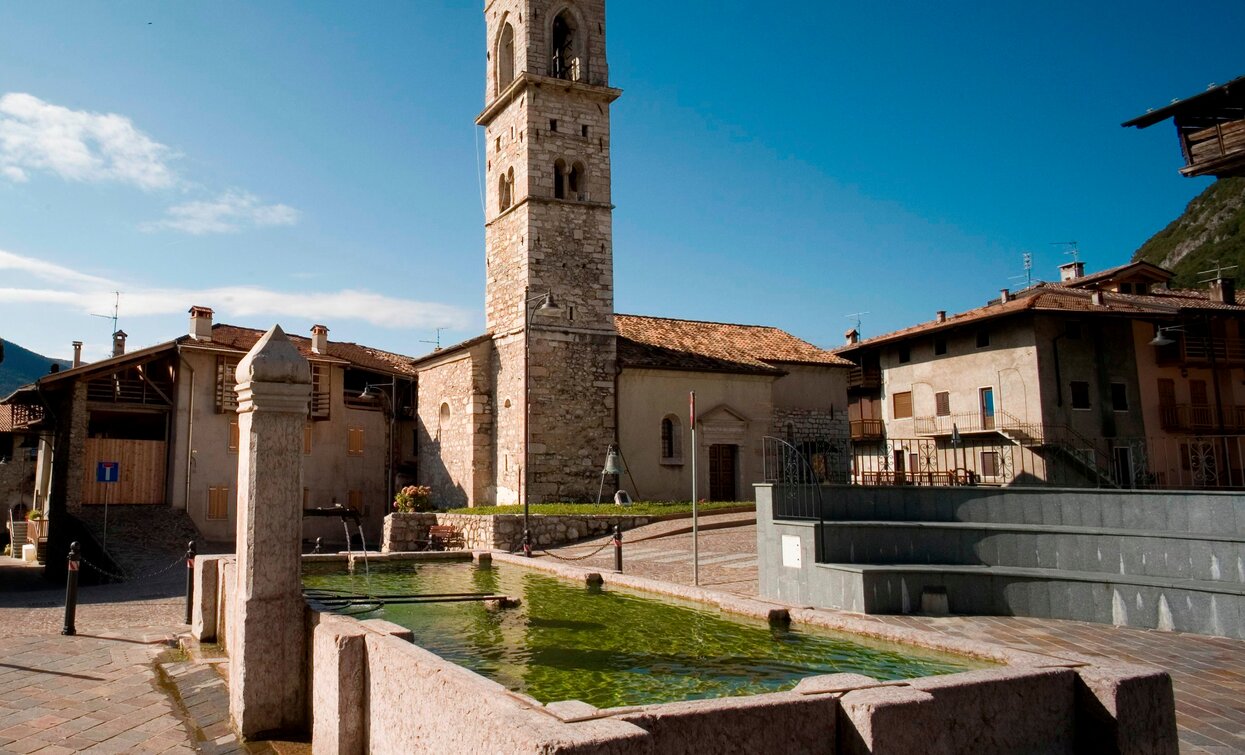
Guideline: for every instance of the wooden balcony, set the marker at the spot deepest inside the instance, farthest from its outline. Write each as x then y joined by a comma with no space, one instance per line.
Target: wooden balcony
864,377
1203,418
1218,150
1202,350
867,429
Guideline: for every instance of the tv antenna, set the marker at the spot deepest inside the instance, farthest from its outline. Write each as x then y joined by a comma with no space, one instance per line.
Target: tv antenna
1027,275
856,317
1217,273
116,310
437,342
1069,248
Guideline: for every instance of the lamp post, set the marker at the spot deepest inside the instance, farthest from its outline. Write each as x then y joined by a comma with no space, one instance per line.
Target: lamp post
371,391
546,303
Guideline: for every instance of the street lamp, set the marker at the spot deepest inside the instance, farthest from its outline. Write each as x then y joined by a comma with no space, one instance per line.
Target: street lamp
1162,337
373,391
544,303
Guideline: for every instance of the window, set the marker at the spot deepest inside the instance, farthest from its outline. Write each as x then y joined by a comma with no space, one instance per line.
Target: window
1119,397
940,346
226,380
1126,288
218,503
564,57
989,463
942,404
671,440
232,445
1080,394
354,441
553,125
983,338
1197,393
902,405
583,131
505,57
905,354
1167,392
575,183
505,190
307,436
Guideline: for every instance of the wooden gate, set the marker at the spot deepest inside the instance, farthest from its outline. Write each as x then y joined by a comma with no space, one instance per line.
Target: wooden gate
140,476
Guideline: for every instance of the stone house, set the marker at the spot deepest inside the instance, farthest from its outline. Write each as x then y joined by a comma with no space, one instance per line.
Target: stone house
1110,379
165,416
17,460
528,410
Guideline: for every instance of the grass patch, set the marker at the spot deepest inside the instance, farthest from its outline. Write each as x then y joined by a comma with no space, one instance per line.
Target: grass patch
642,508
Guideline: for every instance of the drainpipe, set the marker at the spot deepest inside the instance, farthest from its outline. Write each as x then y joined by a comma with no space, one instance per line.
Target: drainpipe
190,425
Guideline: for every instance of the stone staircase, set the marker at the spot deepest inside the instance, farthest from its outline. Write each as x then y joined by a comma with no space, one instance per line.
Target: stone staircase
141,539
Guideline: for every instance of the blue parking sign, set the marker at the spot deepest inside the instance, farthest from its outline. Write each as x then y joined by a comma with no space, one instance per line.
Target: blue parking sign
108,471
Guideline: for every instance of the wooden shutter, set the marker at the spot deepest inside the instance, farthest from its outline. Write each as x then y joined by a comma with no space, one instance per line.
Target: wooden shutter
218,503
354,441
234,437
942,404
354,500
903,405
226,381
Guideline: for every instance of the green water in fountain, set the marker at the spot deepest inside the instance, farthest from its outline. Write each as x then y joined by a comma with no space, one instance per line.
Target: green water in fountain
612,647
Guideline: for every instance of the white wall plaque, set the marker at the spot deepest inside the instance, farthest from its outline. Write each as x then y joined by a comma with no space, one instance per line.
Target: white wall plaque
791,551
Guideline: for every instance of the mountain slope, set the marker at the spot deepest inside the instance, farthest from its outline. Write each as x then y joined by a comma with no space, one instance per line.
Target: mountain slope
1211,228
21,366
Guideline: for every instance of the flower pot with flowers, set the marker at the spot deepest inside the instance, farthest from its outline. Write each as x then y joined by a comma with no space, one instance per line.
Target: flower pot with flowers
412,499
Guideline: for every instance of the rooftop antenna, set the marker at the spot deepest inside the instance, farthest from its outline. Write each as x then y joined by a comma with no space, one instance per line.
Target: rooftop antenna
1070,248
1028,273
1217,273
856,316
437,342
116,310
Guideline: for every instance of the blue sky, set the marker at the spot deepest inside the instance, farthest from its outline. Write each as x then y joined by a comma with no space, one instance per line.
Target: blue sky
302,162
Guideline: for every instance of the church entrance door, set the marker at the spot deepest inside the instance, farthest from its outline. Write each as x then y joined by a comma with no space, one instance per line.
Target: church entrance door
722,472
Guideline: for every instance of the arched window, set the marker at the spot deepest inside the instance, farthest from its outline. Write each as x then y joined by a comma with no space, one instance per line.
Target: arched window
575,188
559,180
566,49
505,57
443,419
505,190
671,440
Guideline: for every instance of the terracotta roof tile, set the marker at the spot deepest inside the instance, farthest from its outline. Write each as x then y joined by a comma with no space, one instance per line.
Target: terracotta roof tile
6,418
1056,297
664,343
242,339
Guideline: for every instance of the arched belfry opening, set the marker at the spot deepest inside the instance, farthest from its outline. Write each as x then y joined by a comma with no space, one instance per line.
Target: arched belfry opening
566,53
559,179
505,57
575,188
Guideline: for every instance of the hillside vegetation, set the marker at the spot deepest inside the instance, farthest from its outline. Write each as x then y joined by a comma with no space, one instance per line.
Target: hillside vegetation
1211,228
22,366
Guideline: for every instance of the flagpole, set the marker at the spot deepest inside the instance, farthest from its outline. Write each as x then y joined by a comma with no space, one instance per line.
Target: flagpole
695,498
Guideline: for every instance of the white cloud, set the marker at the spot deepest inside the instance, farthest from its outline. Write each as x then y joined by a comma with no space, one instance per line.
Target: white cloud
90,294
228,213
78,145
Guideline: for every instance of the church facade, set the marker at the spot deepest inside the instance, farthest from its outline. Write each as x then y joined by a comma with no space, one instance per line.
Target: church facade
528,410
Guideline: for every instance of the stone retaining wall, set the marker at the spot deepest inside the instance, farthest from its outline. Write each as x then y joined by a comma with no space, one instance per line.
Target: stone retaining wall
405,532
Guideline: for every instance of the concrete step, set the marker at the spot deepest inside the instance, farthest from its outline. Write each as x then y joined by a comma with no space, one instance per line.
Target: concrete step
1113,550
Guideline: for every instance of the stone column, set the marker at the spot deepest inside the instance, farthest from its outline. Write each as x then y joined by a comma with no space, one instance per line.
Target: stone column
267,645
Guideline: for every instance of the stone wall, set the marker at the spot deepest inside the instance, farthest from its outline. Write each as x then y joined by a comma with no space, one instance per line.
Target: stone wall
405,532
455,429
17,480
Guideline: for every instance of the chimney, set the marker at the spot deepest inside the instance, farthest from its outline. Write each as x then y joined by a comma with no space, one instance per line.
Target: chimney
1223,290
1005,295
201,323
77,353
1097,298
118,343
1070,271
319,339
941,316
852,336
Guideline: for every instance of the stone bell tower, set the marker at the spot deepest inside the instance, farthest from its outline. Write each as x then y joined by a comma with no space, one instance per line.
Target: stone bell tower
548,224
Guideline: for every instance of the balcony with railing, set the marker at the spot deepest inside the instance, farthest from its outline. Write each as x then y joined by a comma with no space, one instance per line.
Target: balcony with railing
864,377
26,415
1194,349
1201,418
866,429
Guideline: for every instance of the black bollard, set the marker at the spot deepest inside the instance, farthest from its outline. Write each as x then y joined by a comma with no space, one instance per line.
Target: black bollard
618,548
319,545
190,581
527,543
71,591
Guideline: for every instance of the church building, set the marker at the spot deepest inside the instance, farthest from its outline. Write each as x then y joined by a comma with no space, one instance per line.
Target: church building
528,410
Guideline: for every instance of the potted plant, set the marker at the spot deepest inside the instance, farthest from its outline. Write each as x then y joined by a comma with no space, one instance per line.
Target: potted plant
413,498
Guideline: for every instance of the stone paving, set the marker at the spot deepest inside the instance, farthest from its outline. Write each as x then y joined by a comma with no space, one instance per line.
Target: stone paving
1208,673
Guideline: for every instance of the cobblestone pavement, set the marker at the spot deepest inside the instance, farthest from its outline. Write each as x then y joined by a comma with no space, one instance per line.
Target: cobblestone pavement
1208,673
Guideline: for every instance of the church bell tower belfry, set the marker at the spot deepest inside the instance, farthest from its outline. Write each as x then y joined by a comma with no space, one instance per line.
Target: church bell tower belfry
548,231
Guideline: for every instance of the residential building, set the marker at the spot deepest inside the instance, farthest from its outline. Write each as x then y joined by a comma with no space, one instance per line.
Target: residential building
158,426
1110,379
